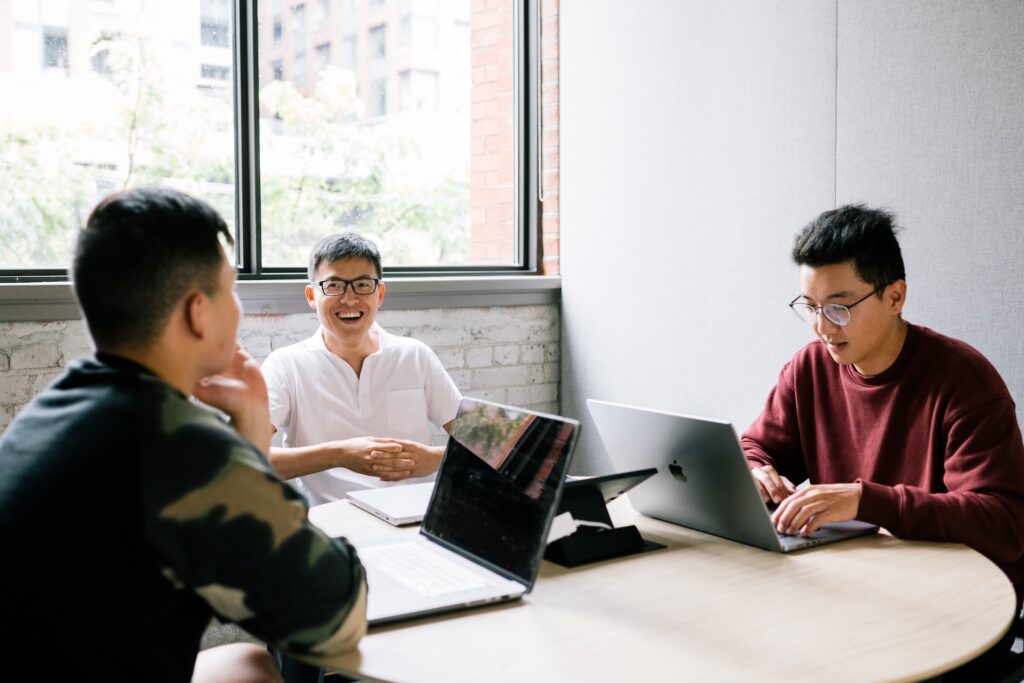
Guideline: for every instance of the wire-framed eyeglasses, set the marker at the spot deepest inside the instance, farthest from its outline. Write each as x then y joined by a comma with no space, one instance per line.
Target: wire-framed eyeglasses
336,286
838,314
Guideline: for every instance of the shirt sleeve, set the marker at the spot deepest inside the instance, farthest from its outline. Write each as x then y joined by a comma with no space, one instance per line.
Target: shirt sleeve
983,506
279,384
443,397
231,532
774,437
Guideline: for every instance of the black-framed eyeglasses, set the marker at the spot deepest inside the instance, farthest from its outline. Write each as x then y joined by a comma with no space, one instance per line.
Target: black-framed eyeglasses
336,286
836,313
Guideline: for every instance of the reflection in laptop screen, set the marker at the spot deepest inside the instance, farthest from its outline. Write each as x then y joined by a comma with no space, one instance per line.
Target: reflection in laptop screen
495,493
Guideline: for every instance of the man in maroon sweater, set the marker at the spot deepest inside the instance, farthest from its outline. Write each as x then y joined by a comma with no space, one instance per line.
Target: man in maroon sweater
892,423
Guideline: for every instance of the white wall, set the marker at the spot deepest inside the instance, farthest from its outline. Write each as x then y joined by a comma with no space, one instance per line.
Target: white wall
698,137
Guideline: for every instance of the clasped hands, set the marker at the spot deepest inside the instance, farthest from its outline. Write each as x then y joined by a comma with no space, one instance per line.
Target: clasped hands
803,512
391,459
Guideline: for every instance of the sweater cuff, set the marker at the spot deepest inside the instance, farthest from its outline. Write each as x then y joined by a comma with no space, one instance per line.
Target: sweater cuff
879,505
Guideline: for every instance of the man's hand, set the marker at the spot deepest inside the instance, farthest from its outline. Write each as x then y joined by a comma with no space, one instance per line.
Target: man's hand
425,460
806,510
240,392
772,486
375,457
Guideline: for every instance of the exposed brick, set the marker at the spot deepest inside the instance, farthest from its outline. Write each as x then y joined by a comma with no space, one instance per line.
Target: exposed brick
257,345
480,356
451,358
500,377
515,350
441,336
532,354
506,355
518,396
544,393
17,389
39,355
462,379
496,395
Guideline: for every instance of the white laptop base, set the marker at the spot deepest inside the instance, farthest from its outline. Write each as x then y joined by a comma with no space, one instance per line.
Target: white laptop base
419,577
396,505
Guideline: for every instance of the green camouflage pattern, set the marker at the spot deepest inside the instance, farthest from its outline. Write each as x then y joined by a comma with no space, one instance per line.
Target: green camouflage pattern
218,524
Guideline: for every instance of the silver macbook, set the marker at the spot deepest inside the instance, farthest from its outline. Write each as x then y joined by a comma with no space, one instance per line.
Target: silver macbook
396,505
703,481
486,526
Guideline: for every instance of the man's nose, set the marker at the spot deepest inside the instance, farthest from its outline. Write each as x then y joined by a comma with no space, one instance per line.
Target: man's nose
823,325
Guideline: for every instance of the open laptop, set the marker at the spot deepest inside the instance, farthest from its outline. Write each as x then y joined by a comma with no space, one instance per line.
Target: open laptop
703,481
486,527
398,505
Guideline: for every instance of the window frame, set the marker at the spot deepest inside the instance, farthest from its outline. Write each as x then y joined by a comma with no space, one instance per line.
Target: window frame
46,294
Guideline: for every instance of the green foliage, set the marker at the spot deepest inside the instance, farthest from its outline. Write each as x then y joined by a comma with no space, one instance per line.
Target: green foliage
322,169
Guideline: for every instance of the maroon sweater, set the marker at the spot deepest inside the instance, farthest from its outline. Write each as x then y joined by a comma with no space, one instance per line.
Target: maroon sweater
934,440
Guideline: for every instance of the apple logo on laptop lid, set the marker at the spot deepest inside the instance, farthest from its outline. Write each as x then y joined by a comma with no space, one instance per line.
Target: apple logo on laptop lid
677,471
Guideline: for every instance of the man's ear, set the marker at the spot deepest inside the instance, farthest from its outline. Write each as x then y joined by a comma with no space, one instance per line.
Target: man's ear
197,312
896,296
311,296
380,294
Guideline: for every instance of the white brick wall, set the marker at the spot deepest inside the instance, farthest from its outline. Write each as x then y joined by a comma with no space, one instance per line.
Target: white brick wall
506,354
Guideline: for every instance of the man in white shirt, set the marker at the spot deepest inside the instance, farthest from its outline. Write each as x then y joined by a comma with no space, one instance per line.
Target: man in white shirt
355,403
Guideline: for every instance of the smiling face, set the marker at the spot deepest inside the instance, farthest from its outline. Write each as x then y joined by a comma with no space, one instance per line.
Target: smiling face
346,319
872,339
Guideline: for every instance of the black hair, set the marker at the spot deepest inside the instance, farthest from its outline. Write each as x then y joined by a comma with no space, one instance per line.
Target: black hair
867,237
139,253
346,245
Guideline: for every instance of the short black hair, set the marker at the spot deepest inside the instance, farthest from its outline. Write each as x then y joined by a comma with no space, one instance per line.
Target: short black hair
345,245
141,251
853,232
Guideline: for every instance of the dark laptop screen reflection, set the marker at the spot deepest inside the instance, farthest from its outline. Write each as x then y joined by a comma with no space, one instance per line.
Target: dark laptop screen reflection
500,473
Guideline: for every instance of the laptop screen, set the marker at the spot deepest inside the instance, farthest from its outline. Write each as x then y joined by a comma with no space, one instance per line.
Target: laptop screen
499,484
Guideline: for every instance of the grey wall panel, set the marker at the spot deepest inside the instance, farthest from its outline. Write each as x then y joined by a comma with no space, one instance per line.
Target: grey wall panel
931,125
696,138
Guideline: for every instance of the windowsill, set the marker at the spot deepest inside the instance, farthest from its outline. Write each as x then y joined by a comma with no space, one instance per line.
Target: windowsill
55,301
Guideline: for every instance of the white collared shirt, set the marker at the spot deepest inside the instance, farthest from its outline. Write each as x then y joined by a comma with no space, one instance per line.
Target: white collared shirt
316,397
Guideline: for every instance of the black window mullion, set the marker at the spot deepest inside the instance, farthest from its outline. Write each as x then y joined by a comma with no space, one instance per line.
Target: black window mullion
247,192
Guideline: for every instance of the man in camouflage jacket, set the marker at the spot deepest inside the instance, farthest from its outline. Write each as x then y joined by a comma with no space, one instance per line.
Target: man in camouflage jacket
129,515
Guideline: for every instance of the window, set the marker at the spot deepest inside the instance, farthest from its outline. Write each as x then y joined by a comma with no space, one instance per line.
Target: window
55,49
214,23
323,14
323,56
215,71
101,54
299,69
378,97
417,153
298,25
417,90
418,26
214,34
348,51
379,43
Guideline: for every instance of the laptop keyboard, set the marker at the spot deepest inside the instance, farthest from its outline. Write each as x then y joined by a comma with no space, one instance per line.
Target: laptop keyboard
426,573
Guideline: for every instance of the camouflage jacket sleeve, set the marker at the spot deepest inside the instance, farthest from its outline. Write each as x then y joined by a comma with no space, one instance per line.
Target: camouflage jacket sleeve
229,530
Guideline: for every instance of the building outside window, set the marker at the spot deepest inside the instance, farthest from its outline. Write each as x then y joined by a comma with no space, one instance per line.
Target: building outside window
417,152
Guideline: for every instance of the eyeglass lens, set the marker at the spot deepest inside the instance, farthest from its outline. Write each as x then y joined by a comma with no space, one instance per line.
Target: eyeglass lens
338,287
